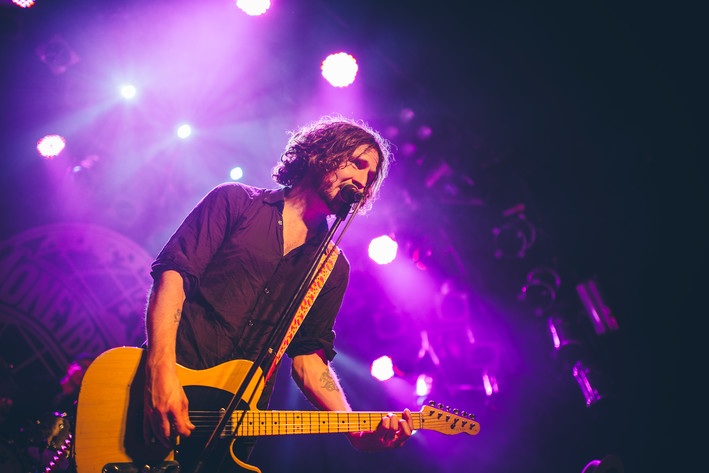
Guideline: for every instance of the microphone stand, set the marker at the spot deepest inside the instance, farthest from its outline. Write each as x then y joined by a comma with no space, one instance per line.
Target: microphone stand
267,356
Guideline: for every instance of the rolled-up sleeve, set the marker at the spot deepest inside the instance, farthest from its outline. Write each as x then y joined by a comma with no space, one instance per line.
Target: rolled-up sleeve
192,247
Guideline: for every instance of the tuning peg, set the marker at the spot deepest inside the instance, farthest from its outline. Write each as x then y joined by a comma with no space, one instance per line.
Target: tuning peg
432,403
440,405
455,411
448,408
464,414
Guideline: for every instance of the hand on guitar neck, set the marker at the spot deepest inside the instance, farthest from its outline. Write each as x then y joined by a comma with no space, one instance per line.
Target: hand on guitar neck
392,432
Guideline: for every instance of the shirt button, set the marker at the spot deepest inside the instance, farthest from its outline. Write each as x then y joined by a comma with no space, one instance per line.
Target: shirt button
280,222
266,291
250,323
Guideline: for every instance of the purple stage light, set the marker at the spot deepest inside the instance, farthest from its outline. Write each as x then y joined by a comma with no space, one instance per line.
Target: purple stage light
583,377
340,69
50,146
382,250
382,368
489,383
598,312
23,3
236,173
424,384
184,131
128,91
254,7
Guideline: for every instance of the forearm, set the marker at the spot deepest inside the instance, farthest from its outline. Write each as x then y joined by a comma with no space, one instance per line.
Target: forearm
319,383
162,318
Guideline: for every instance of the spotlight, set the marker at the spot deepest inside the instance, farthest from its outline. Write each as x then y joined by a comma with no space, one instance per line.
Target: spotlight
515,236
50,146
424,384
236,173
382,250
128,91
489,383
339,69
539,291
184,130
382,368
254,7
23,3
57,54
598,313
586,379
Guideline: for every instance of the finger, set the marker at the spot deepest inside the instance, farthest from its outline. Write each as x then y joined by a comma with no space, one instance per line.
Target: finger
407,423
164,431
183,425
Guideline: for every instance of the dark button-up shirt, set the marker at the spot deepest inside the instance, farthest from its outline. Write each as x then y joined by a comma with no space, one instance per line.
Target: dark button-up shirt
229,251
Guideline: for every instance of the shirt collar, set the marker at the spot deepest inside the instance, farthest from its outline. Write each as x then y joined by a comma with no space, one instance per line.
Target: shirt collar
275,196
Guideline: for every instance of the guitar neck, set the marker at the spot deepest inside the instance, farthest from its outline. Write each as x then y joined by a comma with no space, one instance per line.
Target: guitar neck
258,423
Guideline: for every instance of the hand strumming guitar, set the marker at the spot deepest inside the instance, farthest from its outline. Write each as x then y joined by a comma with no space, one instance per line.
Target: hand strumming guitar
166,406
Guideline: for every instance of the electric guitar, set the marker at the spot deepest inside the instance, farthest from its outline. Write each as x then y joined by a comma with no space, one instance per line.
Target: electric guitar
109,417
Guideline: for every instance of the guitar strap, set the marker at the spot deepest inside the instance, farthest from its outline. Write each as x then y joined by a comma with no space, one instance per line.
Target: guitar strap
326,265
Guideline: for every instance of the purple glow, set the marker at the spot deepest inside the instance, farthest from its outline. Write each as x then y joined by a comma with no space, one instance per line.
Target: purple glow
340,69
554,333
382,368
590,393
184,131
599,314
382,250
50,146
236,173
254,7
23,3
490,383
424,384
128,91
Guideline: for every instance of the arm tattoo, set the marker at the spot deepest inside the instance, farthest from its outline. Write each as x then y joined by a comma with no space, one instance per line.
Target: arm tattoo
178,314
328,383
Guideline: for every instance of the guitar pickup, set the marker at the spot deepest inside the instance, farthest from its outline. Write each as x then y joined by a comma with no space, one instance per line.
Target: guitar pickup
163,467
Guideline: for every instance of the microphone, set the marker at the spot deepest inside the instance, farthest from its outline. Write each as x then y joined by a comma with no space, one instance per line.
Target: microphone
350,194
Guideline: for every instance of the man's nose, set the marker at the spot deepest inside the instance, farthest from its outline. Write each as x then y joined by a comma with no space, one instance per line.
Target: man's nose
360,178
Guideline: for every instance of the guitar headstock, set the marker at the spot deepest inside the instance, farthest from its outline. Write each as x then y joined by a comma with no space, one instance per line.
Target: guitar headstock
448,421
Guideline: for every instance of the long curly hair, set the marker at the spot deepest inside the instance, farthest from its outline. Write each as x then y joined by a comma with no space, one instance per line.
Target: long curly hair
326,145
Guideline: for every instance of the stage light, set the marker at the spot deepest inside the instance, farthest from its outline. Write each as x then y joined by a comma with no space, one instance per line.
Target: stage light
382,250
254,7
586,379
57,54
50,146
382,368
424,384
489,383
339,69
23,3
598,312
128,91
236,173
184,130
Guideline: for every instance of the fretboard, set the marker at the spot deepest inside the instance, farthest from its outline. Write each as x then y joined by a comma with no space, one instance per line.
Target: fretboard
257,423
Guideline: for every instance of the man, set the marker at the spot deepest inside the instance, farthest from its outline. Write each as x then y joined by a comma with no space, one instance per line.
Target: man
223,279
